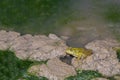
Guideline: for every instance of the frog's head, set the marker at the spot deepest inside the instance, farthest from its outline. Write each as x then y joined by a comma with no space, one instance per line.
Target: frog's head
70,51
88,52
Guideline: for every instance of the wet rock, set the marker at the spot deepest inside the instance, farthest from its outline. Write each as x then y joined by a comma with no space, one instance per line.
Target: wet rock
54,37
53,70
64,37
103,59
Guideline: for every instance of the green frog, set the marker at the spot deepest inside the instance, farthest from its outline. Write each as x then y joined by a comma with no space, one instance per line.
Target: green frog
79,53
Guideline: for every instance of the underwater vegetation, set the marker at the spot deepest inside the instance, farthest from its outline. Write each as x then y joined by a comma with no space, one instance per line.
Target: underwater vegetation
118,54
12,68
21,15
45,16
85,75
17,12
112,13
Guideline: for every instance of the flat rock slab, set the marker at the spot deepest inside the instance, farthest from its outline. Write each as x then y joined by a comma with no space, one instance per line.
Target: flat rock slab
103,59
53,70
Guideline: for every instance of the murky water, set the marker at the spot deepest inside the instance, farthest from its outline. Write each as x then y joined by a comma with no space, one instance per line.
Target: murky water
93,25
81,20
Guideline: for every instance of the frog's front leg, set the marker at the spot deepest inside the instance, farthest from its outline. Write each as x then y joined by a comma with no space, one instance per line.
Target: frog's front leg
78,58
81,57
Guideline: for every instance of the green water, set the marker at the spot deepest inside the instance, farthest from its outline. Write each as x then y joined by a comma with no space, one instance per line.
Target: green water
82,20
31,16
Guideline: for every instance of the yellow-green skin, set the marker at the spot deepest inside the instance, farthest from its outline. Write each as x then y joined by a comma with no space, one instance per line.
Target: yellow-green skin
79,53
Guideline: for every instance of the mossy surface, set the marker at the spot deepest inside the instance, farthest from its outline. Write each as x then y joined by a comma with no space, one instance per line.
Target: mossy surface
12,68
32,77
85,75
112,13
118,54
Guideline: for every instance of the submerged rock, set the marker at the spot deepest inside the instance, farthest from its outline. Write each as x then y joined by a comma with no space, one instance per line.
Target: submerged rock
103,59
53,70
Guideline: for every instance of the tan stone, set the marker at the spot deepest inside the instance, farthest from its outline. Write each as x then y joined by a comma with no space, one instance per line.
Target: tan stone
53,70
103,59
6,38
38,47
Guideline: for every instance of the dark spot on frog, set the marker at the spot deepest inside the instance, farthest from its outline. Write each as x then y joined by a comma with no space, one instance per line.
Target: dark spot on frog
66,59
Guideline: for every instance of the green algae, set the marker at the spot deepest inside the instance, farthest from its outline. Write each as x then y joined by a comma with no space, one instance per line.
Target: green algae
118,54
20,11
12,68
112,13
112,16
85,75
32,77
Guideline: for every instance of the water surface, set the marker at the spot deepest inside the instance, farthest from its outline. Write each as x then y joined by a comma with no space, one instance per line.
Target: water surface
81,20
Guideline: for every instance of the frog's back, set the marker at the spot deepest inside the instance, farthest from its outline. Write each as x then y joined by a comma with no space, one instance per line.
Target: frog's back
79,52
